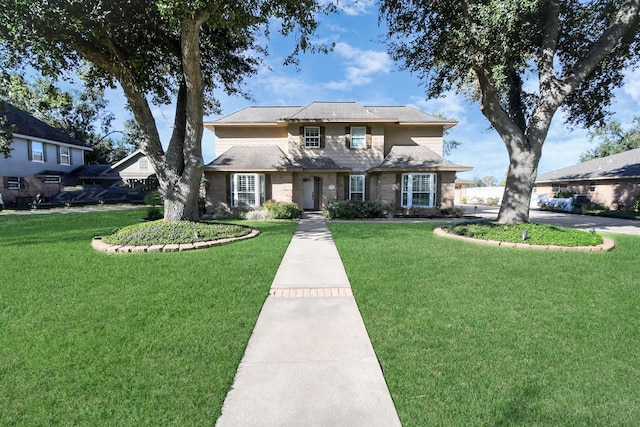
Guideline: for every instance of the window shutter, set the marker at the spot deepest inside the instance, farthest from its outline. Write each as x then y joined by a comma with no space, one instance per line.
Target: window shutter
267,187
44,152
368,137
399,189
347,137
347,188
71,155
29,152
322,136
367,192
301,136
6,181
58,154
228,187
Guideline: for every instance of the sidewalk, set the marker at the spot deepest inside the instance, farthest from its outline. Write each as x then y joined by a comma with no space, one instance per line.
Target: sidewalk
309,361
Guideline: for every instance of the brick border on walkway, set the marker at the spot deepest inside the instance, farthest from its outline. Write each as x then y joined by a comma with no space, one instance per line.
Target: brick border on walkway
309,292
605,246
99,245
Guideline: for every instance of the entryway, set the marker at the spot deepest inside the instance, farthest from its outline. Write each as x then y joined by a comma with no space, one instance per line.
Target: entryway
312,188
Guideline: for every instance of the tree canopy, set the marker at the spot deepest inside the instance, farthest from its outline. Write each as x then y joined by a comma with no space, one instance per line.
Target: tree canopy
521,60
613,138
158,52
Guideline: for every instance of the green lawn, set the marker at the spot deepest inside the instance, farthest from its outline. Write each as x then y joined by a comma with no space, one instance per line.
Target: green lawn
474,335
88,338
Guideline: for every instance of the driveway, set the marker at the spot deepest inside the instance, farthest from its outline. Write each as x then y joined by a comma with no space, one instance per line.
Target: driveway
583,222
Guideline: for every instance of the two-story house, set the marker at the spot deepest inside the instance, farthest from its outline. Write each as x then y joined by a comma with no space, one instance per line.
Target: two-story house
40,158
330,151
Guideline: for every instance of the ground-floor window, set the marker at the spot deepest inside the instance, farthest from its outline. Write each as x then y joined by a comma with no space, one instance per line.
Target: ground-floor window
51,179
12,182
247,189
356,187
418,190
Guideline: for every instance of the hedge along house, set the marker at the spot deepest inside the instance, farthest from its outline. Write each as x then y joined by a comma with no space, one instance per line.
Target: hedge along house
41,159
330,151
612,181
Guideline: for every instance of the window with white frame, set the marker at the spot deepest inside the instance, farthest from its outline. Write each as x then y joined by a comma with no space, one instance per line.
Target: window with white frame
247,189
418,190
12,182
592,186
358,137
37,151
51,179
356,187
312,136
65,155
143,164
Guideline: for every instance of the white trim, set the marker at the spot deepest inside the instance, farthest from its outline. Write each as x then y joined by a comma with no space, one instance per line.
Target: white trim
409,190
351,192
364,137
259,190
306,143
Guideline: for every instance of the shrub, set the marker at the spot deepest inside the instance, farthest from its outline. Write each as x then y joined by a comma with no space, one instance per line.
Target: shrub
351,209
562,194
155,201
278,210
256,215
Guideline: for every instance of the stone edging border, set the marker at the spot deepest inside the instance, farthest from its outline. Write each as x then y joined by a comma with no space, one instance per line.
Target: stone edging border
605,246
99,245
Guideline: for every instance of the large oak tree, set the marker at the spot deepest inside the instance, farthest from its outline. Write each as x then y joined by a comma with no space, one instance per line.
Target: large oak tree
523,60
157,51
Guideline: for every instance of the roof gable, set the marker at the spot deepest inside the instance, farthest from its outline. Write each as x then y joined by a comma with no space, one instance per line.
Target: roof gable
28,125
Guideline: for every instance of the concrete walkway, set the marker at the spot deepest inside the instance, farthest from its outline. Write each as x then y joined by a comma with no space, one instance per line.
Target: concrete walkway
309,361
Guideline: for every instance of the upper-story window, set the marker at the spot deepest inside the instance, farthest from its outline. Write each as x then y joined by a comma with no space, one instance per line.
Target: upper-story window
358,137
64,155
37,151
143,164
312,136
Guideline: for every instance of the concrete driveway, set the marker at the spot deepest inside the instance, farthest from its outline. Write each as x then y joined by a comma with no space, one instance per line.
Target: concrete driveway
583,222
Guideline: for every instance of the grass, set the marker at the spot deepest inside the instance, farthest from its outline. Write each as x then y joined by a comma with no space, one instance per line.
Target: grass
477,335
88,338
537,234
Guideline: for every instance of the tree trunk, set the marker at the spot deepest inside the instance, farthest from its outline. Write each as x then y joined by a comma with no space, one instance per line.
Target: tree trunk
521,177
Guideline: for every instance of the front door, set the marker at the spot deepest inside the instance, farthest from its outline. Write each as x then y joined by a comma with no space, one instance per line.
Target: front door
309,193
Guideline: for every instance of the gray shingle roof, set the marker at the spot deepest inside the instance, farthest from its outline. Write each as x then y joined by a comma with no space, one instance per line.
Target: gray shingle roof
416,157
621,165
28,125
318,163
330,112
256,158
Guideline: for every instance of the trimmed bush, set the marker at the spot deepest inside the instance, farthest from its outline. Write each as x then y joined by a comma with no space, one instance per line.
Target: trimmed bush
278,210
351,209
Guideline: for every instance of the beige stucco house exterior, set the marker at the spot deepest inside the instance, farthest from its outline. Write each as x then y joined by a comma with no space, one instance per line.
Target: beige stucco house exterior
329,151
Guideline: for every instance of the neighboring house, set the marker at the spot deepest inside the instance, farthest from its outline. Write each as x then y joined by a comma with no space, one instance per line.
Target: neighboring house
134,170
610,181
330,151
41,159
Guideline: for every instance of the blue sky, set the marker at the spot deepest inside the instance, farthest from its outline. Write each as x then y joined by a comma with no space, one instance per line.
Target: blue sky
360,70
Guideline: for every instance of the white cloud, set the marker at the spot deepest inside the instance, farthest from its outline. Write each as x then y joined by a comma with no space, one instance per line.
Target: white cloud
356,7
632,84
363,66
451,105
